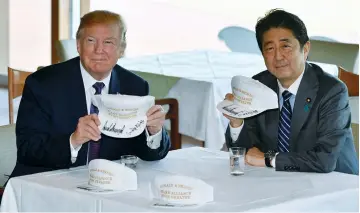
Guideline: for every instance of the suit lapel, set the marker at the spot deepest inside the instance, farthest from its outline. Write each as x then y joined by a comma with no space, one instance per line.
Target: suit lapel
77,91
272,118
115,86
307,90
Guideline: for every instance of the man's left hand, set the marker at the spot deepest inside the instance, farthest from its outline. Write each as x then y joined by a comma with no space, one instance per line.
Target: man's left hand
255,157
155,119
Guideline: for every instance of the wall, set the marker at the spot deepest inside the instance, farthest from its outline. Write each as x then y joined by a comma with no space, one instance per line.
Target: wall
30,34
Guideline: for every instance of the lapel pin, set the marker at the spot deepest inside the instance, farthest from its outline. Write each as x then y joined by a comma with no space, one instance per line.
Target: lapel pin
307,105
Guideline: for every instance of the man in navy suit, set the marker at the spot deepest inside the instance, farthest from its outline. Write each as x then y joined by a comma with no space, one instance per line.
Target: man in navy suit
310,132
56,125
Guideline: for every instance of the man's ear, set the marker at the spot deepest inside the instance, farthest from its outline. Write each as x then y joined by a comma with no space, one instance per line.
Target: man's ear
121,50
306,50
78,45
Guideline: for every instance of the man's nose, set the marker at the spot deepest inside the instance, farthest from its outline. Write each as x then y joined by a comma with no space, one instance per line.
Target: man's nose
99,47
278,55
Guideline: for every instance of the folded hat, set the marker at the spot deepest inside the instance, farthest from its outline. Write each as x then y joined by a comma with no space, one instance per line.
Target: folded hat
122,116
108,176
251,97
177,190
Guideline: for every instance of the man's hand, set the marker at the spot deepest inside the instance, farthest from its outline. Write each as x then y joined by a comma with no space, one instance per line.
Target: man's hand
234,122
155,119
86,129
255,157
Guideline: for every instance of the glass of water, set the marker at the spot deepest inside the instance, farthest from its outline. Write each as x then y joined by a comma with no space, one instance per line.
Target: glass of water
237,160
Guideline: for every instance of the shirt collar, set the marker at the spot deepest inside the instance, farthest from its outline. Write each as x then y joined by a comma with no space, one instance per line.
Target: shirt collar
89,81
294,87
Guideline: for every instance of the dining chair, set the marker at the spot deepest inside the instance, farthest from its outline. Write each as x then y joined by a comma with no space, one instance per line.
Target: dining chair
16,83
350,79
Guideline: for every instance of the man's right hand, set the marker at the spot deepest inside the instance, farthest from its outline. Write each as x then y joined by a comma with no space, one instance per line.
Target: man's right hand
234,122
86,129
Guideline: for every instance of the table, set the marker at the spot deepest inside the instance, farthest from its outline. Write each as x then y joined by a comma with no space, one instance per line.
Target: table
260,189
199,80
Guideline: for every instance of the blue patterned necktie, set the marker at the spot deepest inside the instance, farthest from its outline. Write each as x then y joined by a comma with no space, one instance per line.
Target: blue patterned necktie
285,123
94,146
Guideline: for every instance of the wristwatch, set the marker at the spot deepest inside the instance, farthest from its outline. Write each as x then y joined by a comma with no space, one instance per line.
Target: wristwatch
269,155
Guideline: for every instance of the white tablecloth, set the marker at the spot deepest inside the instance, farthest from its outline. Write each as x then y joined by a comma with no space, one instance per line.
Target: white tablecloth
205,79
260,189
354,106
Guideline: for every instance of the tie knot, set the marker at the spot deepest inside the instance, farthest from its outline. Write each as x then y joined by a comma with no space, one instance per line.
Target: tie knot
98,86
286,95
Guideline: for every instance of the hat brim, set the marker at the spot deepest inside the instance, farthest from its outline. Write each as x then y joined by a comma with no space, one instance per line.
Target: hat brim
97,190
237,111
122,128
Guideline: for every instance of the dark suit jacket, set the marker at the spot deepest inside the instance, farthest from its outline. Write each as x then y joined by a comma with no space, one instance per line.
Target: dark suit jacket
321,138
53,101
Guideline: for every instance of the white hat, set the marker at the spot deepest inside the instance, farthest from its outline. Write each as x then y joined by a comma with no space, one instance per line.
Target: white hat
250,98
122,116
108,176
179,191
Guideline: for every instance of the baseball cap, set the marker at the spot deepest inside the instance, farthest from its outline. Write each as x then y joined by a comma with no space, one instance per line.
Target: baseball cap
251,97
108,177
122,116
180,191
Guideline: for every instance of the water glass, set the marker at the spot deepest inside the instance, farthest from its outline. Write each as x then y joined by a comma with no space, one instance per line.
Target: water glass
237,160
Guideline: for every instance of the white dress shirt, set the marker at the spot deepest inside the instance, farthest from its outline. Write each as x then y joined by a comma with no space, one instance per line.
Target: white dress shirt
153,141
235,132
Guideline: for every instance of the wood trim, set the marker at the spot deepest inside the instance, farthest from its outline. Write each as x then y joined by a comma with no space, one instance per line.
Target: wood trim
64,19
10,95
84,7
54,29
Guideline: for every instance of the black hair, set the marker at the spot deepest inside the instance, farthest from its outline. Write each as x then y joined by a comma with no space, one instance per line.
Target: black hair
278,18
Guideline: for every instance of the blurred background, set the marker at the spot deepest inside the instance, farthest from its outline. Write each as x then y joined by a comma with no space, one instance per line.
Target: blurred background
29,29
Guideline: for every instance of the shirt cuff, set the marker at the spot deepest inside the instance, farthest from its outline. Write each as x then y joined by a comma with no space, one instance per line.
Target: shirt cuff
235,132
74,151
273,161
153,141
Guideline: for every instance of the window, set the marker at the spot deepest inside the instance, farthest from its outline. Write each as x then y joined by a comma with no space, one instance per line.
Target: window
160,26
29,34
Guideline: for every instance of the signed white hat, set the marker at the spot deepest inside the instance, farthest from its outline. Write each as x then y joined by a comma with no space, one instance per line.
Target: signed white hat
250,98
180,191
122,116
108,176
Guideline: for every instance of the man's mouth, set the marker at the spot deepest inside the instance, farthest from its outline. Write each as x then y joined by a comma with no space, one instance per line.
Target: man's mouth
281,66
98,60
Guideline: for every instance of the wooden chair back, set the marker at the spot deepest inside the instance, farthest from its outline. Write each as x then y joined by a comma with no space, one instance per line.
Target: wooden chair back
16,83
173,115
351,80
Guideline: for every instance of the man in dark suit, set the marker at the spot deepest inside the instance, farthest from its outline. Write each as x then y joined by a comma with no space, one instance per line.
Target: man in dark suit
57,125
310,132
